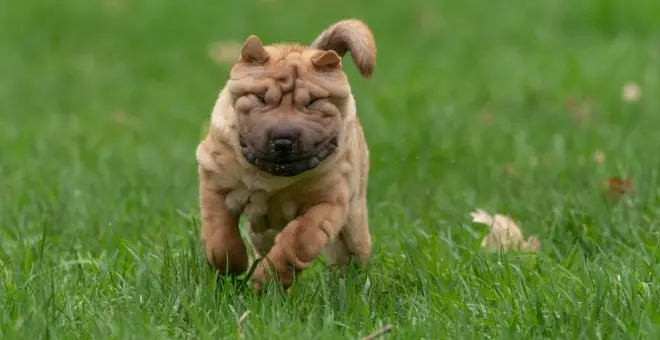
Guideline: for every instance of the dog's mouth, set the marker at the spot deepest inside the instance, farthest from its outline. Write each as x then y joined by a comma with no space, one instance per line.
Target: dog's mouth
289,166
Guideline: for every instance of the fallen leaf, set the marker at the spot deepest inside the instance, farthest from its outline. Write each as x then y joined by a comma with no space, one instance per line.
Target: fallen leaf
532,244
580,109
504,233
617,186
599,157
225,52
631,93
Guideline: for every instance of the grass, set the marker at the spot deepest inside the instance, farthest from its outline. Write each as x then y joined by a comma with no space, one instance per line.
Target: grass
102,104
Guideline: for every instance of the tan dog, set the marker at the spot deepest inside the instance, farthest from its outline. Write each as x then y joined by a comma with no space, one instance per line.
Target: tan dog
286,150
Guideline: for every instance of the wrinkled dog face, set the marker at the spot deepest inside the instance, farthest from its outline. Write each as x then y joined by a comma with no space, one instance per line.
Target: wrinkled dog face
290,102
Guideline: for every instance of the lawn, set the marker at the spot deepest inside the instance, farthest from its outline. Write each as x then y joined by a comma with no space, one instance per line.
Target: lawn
514,107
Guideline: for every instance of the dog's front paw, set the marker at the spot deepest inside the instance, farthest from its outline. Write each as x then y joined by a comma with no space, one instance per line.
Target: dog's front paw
275,267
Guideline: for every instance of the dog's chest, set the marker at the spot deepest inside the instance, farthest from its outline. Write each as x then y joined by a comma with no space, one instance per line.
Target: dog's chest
262,208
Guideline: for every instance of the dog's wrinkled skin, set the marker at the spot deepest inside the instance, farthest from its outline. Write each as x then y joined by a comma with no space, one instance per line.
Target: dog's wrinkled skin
285,149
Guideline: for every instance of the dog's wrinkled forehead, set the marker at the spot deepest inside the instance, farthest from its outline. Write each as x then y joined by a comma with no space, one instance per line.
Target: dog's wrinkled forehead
284,68
287,67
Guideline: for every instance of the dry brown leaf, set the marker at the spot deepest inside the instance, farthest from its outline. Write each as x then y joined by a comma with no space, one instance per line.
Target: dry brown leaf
504,233
225,52
599,157
631,92
617,186
580,109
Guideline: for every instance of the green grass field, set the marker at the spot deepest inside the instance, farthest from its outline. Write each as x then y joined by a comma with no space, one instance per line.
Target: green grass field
499,105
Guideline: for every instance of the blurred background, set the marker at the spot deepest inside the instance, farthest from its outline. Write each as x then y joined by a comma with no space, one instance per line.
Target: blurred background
524,107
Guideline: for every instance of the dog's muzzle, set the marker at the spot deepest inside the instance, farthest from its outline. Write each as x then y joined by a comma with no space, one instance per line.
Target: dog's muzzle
283,159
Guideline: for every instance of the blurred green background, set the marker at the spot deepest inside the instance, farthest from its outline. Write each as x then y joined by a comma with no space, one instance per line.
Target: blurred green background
511,106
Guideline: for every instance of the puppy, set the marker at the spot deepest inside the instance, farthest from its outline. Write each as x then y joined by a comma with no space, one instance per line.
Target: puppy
285,150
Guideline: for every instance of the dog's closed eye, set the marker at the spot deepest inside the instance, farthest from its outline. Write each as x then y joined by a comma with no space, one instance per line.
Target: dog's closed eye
311,101
261,98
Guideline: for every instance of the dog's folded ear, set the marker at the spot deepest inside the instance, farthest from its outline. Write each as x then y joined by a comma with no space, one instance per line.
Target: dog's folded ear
327,59
253,51
350,35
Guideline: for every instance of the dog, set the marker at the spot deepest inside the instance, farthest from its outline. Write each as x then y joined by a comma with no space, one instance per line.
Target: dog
286,150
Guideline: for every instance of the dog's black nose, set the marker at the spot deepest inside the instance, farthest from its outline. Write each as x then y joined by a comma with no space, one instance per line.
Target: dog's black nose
281,146
282,140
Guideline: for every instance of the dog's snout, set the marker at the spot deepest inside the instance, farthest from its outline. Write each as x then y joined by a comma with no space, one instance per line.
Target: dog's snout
284,132
283,139
282,146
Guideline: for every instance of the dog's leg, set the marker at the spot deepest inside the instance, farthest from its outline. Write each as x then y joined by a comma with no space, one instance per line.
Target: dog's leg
355,235
354,242
261,239
338,256
301,241
337,253
223,245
